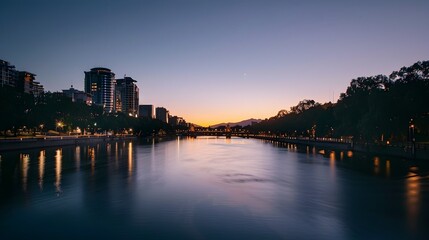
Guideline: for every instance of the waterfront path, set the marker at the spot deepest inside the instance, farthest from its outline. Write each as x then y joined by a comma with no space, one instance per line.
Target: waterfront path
18,143
406,150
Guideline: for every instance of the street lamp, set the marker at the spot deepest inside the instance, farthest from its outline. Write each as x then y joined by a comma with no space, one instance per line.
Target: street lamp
411,135
59,125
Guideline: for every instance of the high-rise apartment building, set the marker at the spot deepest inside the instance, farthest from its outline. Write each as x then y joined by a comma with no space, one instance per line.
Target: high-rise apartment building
162,114
7,74
128,96
100,83
25,81
22,81
146,111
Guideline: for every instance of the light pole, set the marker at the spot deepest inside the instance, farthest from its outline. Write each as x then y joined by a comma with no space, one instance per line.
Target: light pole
411,134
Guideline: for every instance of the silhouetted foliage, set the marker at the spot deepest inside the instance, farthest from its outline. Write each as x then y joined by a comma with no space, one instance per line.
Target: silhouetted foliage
58,112
372,109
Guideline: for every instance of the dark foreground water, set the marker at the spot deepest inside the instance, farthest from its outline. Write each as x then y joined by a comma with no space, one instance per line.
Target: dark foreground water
210,188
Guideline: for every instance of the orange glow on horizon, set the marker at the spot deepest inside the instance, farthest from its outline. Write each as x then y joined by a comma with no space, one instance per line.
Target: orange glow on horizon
209,119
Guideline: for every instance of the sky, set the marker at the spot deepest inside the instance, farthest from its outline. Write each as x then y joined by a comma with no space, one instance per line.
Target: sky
216,61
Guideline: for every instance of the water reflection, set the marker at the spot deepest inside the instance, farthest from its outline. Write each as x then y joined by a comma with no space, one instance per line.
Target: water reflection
376,165
77,157
412,198
108,149
332,163
130,159
91,154
186,185
387,168
116,155
58,168
25,160
42,159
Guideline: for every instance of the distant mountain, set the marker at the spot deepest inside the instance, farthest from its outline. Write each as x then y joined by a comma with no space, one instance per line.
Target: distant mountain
241,123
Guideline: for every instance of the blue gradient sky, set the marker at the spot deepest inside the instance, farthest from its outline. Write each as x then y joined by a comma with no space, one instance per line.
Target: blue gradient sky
216,61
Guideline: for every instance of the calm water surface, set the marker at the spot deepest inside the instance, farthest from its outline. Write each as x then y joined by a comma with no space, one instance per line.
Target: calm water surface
210,188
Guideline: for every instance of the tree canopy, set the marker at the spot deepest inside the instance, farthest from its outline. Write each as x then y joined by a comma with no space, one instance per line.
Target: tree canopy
372,108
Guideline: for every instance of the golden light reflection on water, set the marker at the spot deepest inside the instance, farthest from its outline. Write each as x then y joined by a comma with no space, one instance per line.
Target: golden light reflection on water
130,158
387,168
376,165
25,160
341,155
58,168
349,154
42,160
91,154
116,155
412,198
292,147
332,160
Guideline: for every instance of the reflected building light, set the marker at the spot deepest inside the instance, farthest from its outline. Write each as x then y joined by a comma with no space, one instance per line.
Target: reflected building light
116,154
58,167
332,163
42,160
376,165
77,157
130,158
412,199
91,153
25,160
387,168
349,154
108,149
341,155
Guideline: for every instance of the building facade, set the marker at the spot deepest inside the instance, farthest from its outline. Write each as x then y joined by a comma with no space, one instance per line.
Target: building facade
25,82
162,114
7,74
38,91
146,111
78,96
100,83
127,97
176,121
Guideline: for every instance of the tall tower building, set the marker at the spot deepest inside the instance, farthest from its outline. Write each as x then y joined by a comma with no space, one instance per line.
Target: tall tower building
100,83
162,114
146,111
128,95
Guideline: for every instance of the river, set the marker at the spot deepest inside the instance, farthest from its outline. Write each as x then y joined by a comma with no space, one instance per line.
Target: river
210,188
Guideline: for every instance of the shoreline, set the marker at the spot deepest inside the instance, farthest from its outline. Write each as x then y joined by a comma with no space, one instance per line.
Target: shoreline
48,141
402,151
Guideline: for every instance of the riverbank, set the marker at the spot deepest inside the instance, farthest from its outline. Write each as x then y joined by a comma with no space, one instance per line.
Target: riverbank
419,151
11,144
